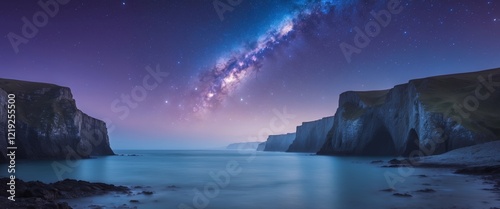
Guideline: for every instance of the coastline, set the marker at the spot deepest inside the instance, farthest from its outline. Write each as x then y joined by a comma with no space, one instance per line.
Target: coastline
480,162
428,185
36,194
439,188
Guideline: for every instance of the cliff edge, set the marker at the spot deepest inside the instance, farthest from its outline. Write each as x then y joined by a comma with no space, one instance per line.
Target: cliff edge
279,143
425,116
244,146
310,136
48,123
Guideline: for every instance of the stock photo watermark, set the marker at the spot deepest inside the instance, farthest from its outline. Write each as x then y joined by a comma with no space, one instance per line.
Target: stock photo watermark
222,178
372,29
121,106
31,26
11,147
139,93
223,6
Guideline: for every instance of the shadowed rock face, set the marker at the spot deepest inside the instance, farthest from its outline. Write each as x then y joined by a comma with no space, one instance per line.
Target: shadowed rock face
432,115
279,143
36,194
49,125
261,146
311,136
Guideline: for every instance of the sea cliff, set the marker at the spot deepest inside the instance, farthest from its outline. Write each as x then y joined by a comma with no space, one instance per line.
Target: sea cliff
311,136
48,123
430,115
279,143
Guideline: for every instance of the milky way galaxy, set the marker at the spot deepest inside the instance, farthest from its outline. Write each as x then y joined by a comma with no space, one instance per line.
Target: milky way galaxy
226,77
229,73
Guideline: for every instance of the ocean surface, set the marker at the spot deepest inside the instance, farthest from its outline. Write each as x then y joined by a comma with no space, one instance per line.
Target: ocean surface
249,180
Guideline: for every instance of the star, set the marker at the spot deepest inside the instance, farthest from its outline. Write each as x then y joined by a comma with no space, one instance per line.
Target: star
230,71
123,3
166,101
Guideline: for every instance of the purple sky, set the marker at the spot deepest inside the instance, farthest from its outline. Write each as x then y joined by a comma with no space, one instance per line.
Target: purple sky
216,92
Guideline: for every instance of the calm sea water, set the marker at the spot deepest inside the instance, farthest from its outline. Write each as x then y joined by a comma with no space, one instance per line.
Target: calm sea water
249,180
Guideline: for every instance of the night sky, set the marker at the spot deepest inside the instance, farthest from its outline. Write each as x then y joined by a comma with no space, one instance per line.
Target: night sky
220,76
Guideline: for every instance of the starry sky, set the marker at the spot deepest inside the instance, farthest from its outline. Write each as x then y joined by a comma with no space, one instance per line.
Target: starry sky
193,74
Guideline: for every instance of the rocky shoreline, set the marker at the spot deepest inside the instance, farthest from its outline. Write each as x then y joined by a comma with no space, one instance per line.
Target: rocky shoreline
36,194
481,161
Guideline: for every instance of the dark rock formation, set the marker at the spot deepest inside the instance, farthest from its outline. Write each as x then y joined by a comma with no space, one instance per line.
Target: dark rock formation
433,115
35,194
402,195
388,190
147,192
480,170
49,125
3,126
279,143
311,136
244,145
426,190
261,146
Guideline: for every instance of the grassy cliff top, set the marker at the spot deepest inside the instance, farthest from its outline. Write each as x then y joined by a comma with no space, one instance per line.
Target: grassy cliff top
373,98
464,97
451,95
36,102
11,85
369,98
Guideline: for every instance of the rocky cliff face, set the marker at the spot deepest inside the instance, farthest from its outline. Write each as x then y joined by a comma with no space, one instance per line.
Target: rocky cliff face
244,145
49,125
279,143
432,115
311,136
261,146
